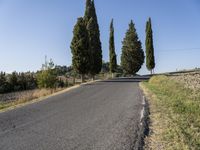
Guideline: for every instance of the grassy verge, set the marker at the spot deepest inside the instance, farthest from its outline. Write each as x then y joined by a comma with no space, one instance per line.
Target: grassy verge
174,115
16,98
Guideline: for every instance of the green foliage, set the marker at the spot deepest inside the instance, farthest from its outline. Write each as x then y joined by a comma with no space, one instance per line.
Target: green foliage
88,11
22,81
47,78
132,57
4,84
105,67
95,50
17,82
80,48
27,80
113,59
13,81
31,82
62,70
150,60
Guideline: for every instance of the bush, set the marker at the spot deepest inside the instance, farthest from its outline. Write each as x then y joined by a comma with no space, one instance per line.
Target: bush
47,78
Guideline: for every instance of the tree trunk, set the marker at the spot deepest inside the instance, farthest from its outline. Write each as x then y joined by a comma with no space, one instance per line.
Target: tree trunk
82,78
74,81
93,77
112,75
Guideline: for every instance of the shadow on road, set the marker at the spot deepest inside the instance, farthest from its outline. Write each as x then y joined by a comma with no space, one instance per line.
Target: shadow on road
120,80
133,79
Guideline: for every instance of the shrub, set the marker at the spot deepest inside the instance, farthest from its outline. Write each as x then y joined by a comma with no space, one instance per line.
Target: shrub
46,78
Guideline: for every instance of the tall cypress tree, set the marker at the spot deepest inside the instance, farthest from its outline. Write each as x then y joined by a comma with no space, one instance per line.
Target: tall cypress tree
113,59
94,36
132,57
80,49
88,11
150,60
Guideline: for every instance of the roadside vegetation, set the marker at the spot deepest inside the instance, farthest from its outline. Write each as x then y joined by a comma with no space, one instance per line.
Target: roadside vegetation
174,114
18,88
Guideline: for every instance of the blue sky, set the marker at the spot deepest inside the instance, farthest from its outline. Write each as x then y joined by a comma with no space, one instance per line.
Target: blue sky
31,29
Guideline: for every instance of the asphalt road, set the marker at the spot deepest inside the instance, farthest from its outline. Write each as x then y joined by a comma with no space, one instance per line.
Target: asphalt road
99,116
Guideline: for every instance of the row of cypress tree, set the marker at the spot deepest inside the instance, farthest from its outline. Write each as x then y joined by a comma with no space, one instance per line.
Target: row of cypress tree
86,44
132,57
87,51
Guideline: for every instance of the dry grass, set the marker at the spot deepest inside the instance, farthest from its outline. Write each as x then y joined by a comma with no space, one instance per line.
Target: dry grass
158,122
11,99
175,115
189,80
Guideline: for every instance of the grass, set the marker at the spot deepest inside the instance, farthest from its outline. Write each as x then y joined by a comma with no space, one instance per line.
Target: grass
15,98
175,115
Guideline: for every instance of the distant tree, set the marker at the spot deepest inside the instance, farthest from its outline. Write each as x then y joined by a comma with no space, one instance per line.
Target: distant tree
132,57
105,67
2,78
119,69
3,83
80,49
112,54
31,80
61,70
150,60
22,82
17,82
95,49
47,78
13,81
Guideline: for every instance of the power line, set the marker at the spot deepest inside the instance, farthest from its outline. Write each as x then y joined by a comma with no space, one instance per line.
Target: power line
183,49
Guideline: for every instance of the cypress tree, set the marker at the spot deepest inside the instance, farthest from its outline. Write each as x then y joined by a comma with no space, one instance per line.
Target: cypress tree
94,38
113,59
132,57
88,11
80,49
150,60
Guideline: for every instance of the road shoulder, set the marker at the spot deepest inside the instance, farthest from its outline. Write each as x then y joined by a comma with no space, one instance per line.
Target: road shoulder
44,97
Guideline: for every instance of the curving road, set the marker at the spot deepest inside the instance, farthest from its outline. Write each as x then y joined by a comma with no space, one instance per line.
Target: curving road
100,116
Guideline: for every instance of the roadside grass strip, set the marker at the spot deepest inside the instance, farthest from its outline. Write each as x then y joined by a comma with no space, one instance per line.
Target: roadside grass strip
174,115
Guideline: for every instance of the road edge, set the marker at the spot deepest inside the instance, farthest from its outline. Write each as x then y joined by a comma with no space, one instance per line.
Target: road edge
144,122
45,97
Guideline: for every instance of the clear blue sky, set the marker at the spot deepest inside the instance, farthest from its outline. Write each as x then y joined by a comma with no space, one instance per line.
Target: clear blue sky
31,29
